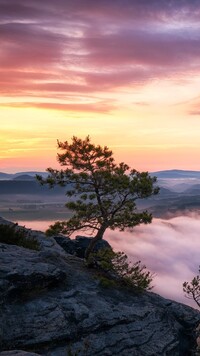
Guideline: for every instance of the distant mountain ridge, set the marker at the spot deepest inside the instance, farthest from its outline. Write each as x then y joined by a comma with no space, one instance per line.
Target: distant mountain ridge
5,176
27,186
179,192
171,173
22,175
176,173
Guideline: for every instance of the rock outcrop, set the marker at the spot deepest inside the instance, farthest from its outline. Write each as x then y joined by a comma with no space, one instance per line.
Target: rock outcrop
52,305
78,245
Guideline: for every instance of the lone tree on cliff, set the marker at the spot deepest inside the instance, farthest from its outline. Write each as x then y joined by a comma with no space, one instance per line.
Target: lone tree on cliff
102,194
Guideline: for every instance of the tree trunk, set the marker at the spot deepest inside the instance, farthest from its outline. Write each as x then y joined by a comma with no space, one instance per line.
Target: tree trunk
98,237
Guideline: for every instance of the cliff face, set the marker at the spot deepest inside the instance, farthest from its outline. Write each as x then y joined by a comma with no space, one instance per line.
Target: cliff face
51,304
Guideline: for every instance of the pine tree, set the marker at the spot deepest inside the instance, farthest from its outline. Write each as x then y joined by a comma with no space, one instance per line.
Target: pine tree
101,193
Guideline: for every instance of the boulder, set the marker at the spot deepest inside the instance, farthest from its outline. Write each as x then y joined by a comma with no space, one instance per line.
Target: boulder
66,243
79,245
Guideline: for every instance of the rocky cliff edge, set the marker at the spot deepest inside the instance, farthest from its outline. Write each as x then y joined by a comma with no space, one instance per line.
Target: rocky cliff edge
51,304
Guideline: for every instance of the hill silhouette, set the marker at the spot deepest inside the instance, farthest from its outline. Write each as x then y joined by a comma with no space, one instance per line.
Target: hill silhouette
24,177
176,173
27,186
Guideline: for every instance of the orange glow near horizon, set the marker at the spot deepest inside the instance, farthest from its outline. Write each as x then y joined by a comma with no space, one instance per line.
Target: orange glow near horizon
29,138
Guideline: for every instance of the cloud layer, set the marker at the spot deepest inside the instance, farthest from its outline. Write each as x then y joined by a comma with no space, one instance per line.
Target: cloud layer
169,248
94,48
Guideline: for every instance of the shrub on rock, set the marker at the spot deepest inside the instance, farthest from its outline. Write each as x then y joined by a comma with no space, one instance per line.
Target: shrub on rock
14,235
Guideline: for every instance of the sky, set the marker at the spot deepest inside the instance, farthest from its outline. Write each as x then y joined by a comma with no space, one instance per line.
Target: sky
125,72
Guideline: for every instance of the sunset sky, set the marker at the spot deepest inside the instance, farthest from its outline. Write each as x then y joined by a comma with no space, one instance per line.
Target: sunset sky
126,72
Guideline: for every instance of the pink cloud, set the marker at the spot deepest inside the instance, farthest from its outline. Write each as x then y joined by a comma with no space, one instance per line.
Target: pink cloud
93,47
194,106
26,46
143,47
100,106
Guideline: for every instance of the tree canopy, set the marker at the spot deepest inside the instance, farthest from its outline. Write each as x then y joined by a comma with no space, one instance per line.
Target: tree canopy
101,193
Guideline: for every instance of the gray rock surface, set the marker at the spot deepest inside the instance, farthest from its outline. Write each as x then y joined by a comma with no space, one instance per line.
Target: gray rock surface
24,271
52,305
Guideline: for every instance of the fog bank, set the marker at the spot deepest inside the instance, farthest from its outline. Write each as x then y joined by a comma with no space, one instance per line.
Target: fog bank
169,248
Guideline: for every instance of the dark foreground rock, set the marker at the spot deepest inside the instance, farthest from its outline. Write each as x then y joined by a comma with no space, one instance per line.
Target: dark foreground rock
79,245
52,305
17,353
